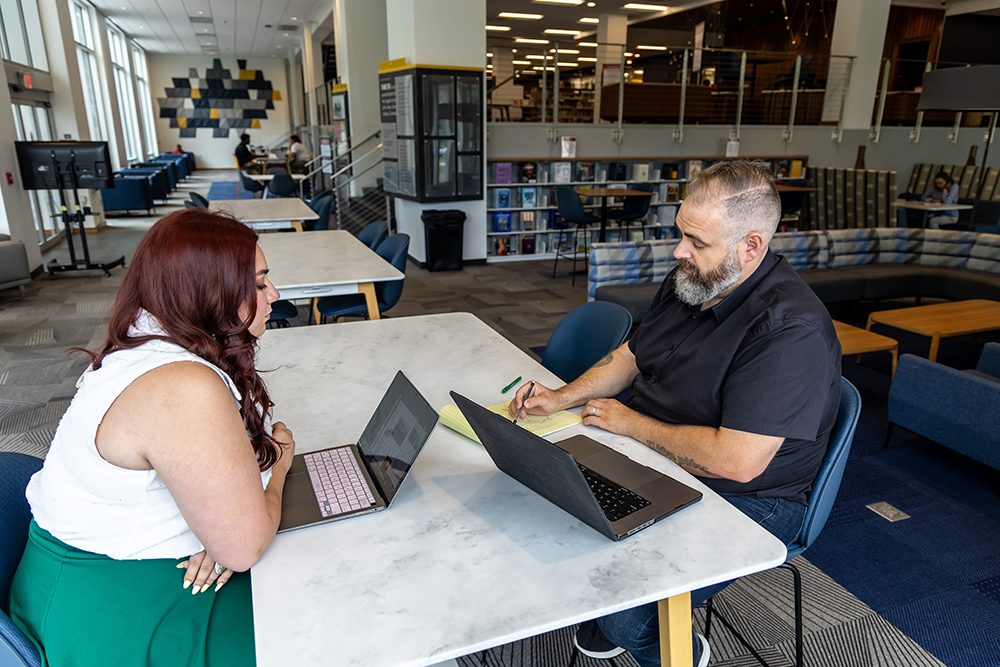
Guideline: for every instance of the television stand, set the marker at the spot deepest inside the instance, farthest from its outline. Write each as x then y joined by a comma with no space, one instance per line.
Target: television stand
78,216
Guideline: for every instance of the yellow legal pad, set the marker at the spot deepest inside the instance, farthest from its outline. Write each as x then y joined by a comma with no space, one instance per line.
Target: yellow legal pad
453,418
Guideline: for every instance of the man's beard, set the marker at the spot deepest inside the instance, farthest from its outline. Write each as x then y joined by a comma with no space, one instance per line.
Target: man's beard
696,288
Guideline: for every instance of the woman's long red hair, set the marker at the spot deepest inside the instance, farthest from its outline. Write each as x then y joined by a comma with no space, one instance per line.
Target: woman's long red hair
194,271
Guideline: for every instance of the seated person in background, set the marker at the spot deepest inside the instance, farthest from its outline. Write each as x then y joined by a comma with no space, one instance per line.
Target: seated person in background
944,191
245,156
165,459
298,154
735,376
178,150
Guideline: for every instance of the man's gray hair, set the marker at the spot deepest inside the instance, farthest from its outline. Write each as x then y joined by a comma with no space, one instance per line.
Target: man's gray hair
745,192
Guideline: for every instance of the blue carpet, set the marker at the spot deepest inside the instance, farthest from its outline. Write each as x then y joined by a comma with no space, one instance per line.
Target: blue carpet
226,190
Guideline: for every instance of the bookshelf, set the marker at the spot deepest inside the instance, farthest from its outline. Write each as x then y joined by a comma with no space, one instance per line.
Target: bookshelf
523,221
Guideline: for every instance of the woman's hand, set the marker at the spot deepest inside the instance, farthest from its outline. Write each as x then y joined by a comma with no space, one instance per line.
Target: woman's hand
201,572
283,437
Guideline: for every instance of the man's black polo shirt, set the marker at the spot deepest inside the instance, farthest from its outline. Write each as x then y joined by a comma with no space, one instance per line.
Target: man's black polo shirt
764,360
244,155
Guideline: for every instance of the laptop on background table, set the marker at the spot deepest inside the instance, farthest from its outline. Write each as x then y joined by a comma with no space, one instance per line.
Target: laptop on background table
603,488
351,480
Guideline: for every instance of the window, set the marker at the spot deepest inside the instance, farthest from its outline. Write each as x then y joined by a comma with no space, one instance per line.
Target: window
145,100
83,33
33,124
126,94
21,33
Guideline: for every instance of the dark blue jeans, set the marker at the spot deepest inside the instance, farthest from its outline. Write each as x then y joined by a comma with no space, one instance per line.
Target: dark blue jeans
638,630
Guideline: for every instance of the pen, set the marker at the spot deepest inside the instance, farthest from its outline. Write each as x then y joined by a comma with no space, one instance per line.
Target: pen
526,396
507,388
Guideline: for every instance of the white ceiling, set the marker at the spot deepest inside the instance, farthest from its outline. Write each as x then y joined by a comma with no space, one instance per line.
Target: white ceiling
235,28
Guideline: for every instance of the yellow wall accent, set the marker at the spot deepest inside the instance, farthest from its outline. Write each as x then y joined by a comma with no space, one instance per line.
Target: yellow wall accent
214,114
398,63
277,95
340,87
247,74
182,122
195,94
255,124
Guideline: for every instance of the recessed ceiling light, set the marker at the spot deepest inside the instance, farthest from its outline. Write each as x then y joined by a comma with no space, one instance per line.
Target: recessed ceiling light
284,34
489,55
589,19
198,12
645,7
295,18
587,59
556,31
519,15
525,40
279,47
498,28
566,50
644,47
122,8
539,57
591,4
560,2
513,50
489,67
588,43
520,62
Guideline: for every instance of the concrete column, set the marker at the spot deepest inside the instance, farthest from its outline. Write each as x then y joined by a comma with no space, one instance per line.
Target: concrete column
312,74
611,31
450,34
296,96
859,30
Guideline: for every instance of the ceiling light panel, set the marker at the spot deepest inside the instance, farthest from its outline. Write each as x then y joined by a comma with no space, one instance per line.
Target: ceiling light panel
557,31
645,7
526,40
518,15
498,28
560,2
590,19
592,44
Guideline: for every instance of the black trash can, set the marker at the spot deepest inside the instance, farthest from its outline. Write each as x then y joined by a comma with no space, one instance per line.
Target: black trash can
443,239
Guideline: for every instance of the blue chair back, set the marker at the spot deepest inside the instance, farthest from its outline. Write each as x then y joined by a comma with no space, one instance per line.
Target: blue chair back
198,199
638,205
249,184
827,482
584,336
277,170
373,235
393,250
15,471
569,204
322,209
318,197
282,185
792,202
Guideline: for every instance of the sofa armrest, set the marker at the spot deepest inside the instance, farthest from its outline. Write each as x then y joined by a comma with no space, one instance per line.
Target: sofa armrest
14,269
989,360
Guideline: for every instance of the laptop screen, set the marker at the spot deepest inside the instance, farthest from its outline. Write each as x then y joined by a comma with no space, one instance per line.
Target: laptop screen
395,434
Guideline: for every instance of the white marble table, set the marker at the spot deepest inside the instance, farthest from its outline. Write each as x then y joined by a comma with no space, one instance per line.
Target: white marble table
929,207
325,263
261,214
264,178
466,558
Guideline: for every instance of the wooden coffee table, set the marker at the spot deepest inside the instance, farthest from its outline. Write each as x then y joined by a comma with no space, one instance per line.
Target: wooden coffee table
942,320
854,340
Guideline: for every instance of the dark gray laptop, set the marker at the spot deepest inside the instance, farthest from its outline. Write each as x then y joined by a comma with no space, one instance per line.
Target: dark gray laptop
349,480
606,490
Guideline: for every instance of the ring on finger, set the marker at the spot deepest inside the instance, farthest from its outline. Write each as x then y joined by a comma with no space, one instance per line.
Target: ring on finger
219,569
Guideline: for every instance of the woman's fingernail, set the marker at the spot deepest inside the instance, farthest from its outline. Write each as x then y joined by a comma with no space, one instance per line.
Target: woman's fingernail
218,585
195,589
186,584
205,588
181,566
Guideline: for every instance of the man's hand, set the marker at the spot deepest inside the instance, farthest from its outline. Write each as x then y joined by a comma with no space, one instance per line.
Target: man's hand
543,401
610,415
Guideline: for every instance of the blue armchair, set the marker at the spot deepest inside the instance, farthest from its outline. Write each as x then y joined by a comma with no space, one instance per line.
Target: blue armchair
129,194
957,409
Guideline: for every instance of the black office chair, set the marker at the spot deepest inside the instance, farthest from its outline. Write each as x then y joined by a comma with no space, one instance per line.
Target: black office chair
282,185
248,184
633,209
277,170
571,210
190,204
198,199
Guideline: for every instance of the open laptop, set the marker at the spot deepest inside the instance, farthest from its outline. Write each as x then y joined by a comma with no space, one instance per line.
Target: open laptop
349,480
603,488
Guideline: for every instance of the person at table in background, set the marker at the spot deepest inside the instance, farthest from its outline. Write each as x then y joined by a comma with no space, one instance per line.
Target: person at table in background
735,376
178,150
943,191
165,460
298,154
245,156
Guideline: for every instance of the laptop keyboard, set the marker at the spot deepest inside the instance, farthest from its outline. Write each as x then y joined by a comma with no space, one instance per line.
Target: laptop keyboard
616,501
337,479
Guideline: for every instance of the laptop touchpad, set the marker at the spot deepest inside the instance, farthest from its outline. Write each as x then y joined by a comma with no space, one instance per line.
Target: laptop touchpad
297,489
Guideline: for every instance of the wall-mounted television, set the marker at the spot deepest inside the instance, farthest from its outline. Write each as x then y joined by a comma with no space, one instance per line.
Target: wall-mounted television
90,159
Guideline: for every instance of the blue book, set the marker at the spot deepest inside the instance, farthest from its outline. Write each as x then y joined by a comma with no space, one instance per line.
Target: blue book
501,222
501,197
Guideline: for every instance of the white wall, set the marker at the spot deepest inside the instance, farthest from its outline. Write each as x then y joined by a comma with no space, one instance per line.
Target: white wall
212,153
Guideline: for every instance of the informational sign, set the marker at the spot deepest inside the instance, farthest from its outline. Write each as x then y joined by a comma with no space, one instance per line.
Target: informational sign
699,44
612,75
326,152
733,147
567,147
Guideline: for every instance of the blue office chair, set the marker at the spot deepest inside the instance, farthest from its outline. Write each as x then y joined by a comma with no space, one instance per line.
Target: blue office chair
198,199
634,209
281,312
282,185
16,649
248,184
584,336
374,233
191,205
821,499
323,208
277,170
571,210
393,250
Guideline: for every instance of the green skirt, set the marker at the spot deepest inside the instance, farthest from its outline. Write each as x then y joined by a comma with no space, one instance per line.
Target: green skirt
82,609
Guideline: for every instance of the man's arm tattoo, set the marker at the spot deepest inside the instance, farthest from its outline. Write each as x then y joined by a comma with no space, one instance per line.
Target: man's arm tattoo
608,358
682,461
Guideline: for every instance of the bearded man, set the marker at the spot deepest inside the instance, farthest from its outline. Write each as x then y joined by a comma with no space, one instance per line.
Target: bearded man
735,376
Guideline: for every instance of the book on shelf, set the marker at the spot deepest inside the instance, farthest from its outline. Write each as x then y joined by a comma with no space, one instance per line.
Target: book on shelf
617,171
640,171
665,215
562,172
587,171
501,246
583,241
796,169
527,221
501,221
584,198
527,172
556,221
782,167
670,170
504,171
529,197
501,197
670,192
528,245
694,167
617,200
636,235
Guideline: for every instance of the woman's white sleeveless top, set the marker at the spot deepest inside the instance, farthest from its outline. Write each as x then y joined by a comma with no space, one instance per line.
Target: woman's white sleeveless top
98,507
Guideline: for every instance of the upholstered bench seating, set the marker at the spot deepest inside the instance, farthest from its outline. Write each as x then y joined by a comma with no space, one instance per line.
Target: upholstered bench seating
841,265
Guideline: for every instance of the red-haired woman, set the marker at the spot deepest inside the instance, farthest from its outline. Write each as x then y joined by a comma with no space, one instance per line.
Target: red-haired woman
166,458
